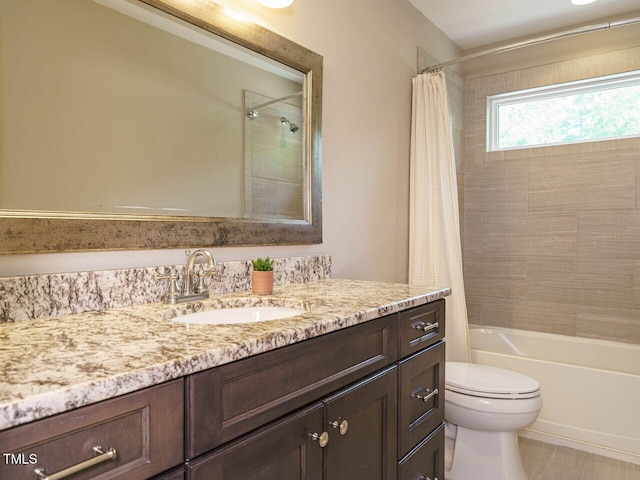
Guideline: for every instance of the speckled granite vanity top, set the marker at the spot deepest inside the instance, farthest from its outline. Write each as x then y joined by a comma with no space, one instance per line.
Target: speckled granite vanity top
57,364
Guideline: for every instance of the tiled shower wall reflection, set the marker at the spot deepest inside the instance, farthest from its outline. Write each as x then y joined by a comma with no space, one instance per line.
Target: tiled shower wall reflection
552,234
273,163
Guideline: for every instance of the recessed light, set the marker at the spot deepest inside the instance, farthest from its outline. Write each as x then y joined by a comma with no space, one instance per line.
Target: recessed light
276,3
582,2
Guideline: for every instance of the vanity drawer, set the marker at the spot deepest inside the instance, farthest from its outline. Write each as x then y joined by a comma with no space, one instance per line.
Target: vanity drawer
145,428
421,326
426,460
421,400
228,401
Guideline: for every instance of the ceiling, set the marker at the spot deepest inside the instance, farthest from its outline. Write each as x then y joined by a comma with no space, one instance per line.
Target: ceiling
474,23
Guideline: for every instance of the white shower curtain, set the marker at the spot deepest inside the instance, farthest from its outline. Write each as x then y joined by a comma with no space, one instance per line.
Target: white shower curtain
435,256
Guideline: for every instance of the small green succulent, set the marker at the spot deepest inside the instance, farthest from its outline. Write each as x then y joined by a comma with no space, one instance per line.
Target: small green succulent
262,264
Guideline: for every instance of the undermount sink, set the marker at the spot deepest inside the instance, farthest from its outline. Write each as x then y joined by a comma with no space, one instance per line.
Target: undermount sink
227,316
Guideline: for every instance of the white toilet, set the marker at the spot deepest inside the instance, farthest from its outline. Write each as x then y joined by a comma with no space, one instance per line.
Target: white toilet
484,409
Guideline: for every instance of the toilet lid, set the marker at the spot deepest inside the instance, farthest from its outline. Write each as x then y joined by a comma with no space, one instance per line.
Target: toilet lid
488,382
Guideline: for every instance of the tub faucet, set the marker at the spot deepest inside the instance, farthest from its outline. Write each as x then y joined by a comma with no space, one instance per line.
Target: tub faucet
190,290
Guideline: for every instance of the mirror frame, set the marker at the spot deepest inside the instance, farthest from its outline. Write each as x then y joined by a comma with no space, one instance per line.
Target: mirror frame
39,232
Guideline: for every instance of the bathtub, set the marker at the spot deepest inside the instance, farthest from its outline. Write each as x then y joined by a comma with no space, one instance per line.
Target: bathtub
590,388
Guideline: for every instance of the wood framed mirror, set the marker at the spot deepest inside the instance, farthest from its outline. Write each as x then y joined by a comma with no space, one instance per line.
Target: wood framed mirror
115,119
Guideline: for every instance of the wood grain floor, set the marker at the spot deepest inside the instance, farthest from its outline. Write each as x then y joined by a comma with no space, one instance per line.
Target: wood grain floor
543,461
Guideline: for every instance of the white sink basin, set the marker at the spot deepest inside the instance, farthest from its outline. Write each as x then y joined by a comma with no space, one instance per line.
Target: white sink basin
226,316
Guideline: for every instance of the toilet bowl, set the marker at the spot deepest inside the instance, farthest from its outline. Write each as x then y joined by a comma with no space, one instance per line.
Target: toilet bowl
484,409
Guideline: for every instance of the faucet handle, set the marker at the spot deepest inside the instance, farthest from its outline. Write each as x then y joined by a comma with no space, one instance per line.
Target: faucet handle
173,291
201,285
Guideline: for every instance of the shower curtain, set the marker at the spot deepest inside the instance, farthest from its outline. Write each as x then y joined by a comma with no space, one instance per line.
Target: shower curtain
435,256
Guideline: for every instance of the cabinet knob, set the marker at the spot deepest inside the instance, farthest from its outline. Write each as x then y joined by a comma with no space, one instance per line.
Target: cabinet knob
322,438
343,426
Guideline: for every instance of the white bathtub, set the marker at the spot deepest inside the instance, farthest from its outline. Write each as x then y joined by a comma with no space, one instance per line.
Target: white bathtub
590,388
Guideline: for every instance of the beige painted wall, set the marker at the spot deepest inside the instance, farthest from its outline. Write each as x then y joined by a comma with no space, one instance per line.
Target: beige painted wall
369,49
552,233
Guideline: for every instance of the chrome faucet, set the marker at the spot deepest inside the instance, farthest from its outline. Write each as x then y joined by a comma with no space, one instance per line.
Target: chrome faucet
190,291
201,286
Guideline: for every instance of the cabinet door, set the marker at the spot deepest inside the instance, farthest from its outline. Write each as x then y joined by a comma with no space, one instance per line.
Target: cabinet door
426,461
283,450
421,404
366,446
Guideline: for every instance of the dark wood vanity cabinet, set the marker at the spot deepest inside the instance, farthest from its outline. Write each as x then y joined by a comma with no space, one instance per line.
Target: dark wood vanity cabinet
364,402
373,392
318,442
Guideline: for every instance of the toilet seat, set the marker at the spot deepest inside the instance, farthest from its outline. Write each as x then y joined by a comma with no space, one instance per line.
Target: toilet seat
489,382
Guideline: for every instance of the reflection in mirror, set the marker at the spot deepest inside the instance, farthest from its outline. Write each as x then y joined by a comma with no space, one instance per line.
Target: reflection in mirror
120,109
274,173
154,124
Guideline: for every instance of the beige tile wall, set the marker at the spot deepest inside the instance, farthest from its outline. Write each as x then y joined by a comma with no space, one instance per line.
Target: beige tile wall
552,234
455,92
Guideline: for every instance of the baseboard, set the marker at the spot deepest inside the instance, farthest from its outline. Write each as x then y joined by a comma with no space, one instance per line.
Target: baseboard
579,445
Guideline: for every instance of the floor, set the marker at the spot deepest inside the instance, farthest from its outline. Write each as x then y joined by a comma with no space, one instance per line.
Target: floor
543,461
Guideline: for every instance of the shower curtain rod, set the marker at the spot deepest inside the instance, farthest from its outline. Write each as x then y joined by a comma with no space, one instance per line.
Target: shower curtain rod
534,41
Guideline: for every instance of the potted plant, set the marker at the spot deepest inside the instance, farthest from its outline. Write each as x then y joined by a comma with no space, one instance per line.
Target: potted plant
262,276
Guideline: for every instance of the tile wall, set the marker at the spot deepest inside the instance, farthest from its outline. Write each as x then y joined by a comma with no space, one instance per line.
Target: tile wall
552,234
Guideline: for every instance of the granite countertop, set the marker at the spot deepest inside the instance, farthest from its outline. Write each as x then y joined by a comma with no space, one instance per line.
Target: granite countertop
57,364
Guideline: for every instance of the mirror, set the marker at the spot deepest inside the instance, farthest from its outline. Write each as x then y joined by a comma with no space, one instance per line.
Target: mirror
154,124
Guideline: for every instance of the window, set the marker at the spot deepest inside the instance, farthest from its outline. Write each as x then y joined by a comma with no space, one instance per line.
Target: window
594,109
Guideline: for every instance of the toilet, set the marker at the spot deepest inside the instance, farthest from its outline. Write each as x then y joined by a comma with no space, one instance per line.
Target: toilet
484,409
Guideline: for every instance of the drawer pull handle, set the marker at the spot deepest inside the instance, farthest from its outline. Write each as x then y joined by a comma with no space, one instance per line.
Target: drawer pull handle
343,426
422,477
102,456
322,438
425,398
425,327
